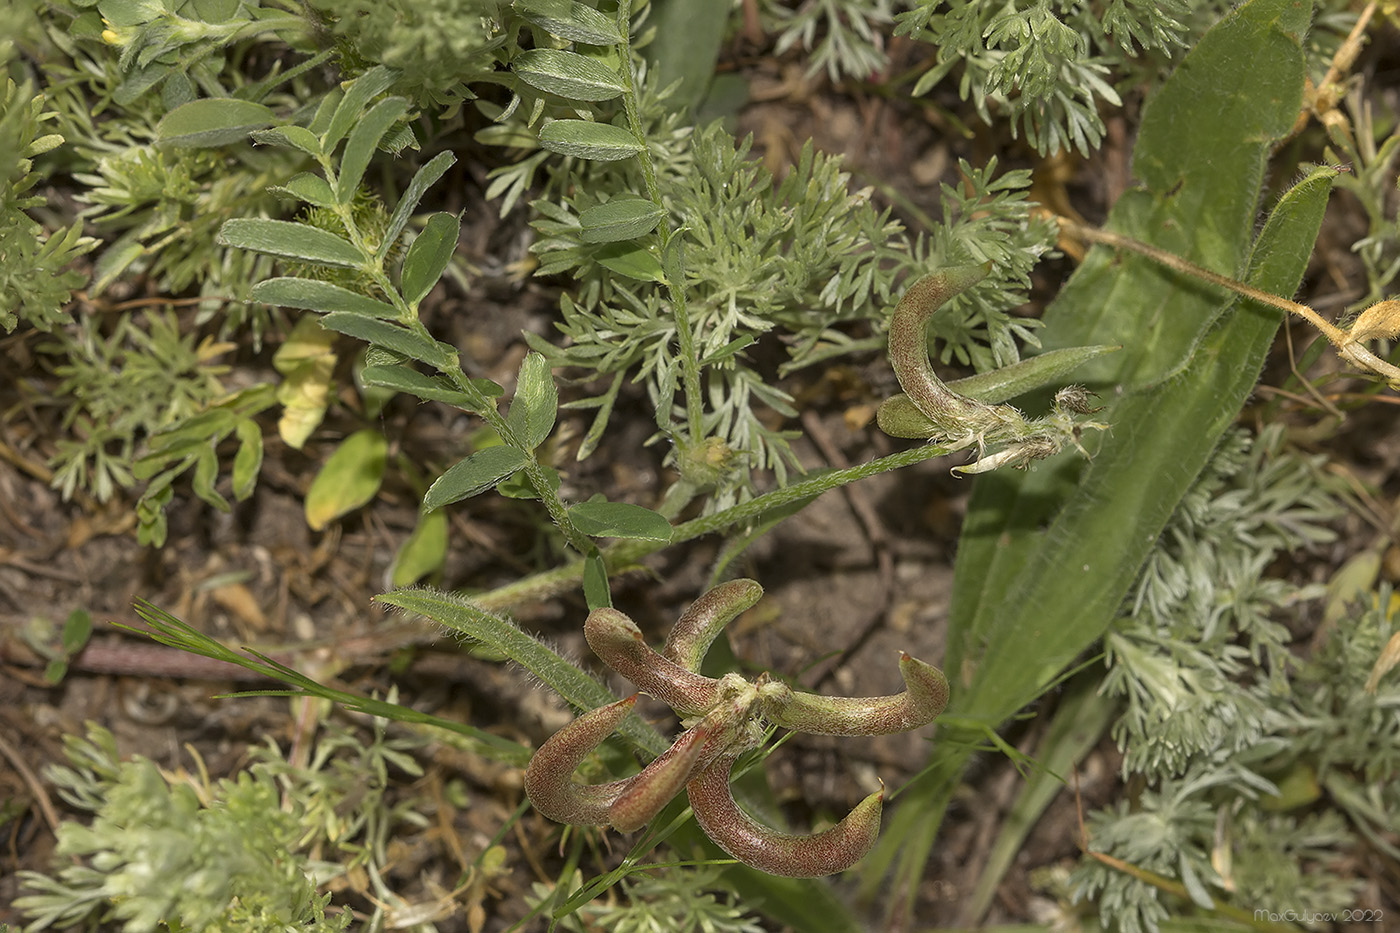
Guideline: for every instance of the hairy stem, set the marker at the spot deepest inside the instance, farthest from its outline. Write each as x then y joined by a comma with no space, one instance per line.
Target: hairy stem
550,582
675,280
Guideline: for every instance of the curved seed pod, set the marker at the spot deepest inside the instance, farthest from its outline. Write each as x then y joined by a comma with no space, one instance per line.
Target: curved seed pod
949,413
706,618
898,416
743,837
617,640
659,781
925,696
549,776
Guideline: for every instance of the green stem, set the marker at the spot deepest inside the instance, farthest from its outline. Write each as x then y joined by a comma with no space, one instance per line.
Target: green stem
672,262
626,553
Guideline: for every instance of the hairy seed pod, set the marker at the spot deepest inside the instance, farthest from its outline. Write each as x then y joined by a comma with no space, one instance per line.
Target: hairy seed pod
706,618
925,696
659,781
616,639
950,413
743,837
549,776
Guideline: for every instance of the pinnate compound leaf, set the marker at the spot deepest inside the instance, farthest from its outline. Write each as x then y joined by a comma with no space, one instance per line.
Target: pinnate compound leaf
290,241
311,295
428,256
620,219
364,140
568,74
474,475
570,20
211,122
423,179
349,479
600,518
536,402
585,139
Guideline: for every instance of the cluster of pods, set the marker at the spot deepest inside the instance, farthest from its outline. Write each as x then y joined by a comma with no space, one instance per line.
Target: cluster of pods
723,719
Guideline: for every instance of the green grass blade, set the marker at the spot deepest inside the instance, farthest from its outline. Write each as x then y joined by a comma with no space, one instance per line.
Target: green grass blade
168,630
581,689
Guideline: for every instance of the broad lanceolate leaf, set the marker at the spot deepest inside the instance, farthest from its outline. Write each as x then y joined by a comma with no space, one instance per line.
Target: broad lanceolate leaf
568,74
424,551
599,518
364,140
349,478
423,179
311,295
1161,317
247,463
428,256
474,475
536,402
306,361
620,219
570,20
290,241
1047,555
212,122
588,140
